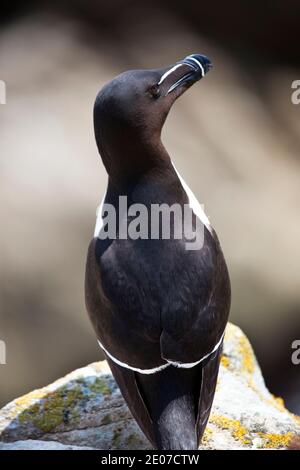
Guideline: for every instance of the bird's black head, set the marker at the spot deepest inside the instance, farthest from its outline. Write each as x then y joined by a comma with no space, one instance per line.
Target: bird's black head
130,110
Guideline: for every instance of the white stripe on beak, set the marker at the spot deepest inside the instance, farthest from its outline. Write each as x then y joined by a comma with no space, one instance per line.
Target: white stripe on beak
199,65
166,74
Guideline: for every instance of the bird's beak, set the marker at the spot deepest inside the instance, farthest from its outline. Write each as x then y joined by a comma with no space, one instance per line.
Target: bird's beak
184,73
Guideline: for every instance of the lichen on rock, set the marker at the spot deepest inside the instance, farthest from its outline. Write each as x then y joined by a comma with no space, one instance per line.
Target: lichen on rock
86,410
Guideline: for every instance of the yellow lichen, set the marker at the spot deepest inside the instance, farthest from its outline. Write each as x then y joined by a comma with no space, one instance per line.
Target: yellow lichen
275,441
278,402
99,386
47,410
26,400
295,418
242,347
53,409
230,332
236,429
240,433
208,433
225,361
245,349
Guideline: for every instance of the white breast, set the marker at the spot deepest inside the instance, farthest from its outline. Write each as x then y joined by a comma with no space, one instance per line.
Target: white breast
99,219
193,202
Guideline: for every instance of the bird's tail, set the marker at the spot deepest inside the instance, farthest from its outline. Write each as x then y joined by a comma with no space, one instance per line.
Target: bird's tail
172,397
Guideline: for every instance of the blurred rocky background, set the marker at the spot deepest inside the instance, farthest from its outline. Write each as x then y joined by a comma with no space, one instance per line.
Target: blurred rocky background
235,138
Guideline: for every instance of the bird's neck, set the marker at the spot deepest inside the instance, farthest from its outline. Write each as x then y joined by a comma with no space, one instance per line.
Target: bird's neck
128,158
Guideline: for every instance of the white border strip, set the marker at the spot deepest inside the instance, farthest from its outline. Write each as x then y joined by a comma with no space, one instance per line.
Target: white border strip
193,201
186,365
136,369
99,219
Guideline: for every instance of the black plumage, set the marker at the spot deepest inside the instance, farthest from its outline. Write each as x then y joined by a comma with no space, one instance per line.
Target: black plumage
156,307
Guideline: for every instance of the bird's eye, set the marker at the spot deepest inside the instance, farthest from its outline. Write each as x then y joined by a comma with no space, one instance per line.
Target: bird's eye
154,91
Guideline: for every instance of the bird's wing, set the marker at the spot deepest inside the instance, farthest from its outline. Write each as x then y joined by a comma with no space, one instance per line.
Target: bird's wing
208,385
126,380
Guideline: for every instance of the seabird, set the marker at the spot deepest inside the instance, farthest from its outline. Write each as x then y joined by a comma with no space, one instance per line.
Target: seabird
159,310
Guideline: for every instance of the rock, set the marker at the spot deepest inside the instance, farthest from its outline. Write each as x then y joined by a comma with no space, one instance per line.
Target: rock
86,409
39,445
